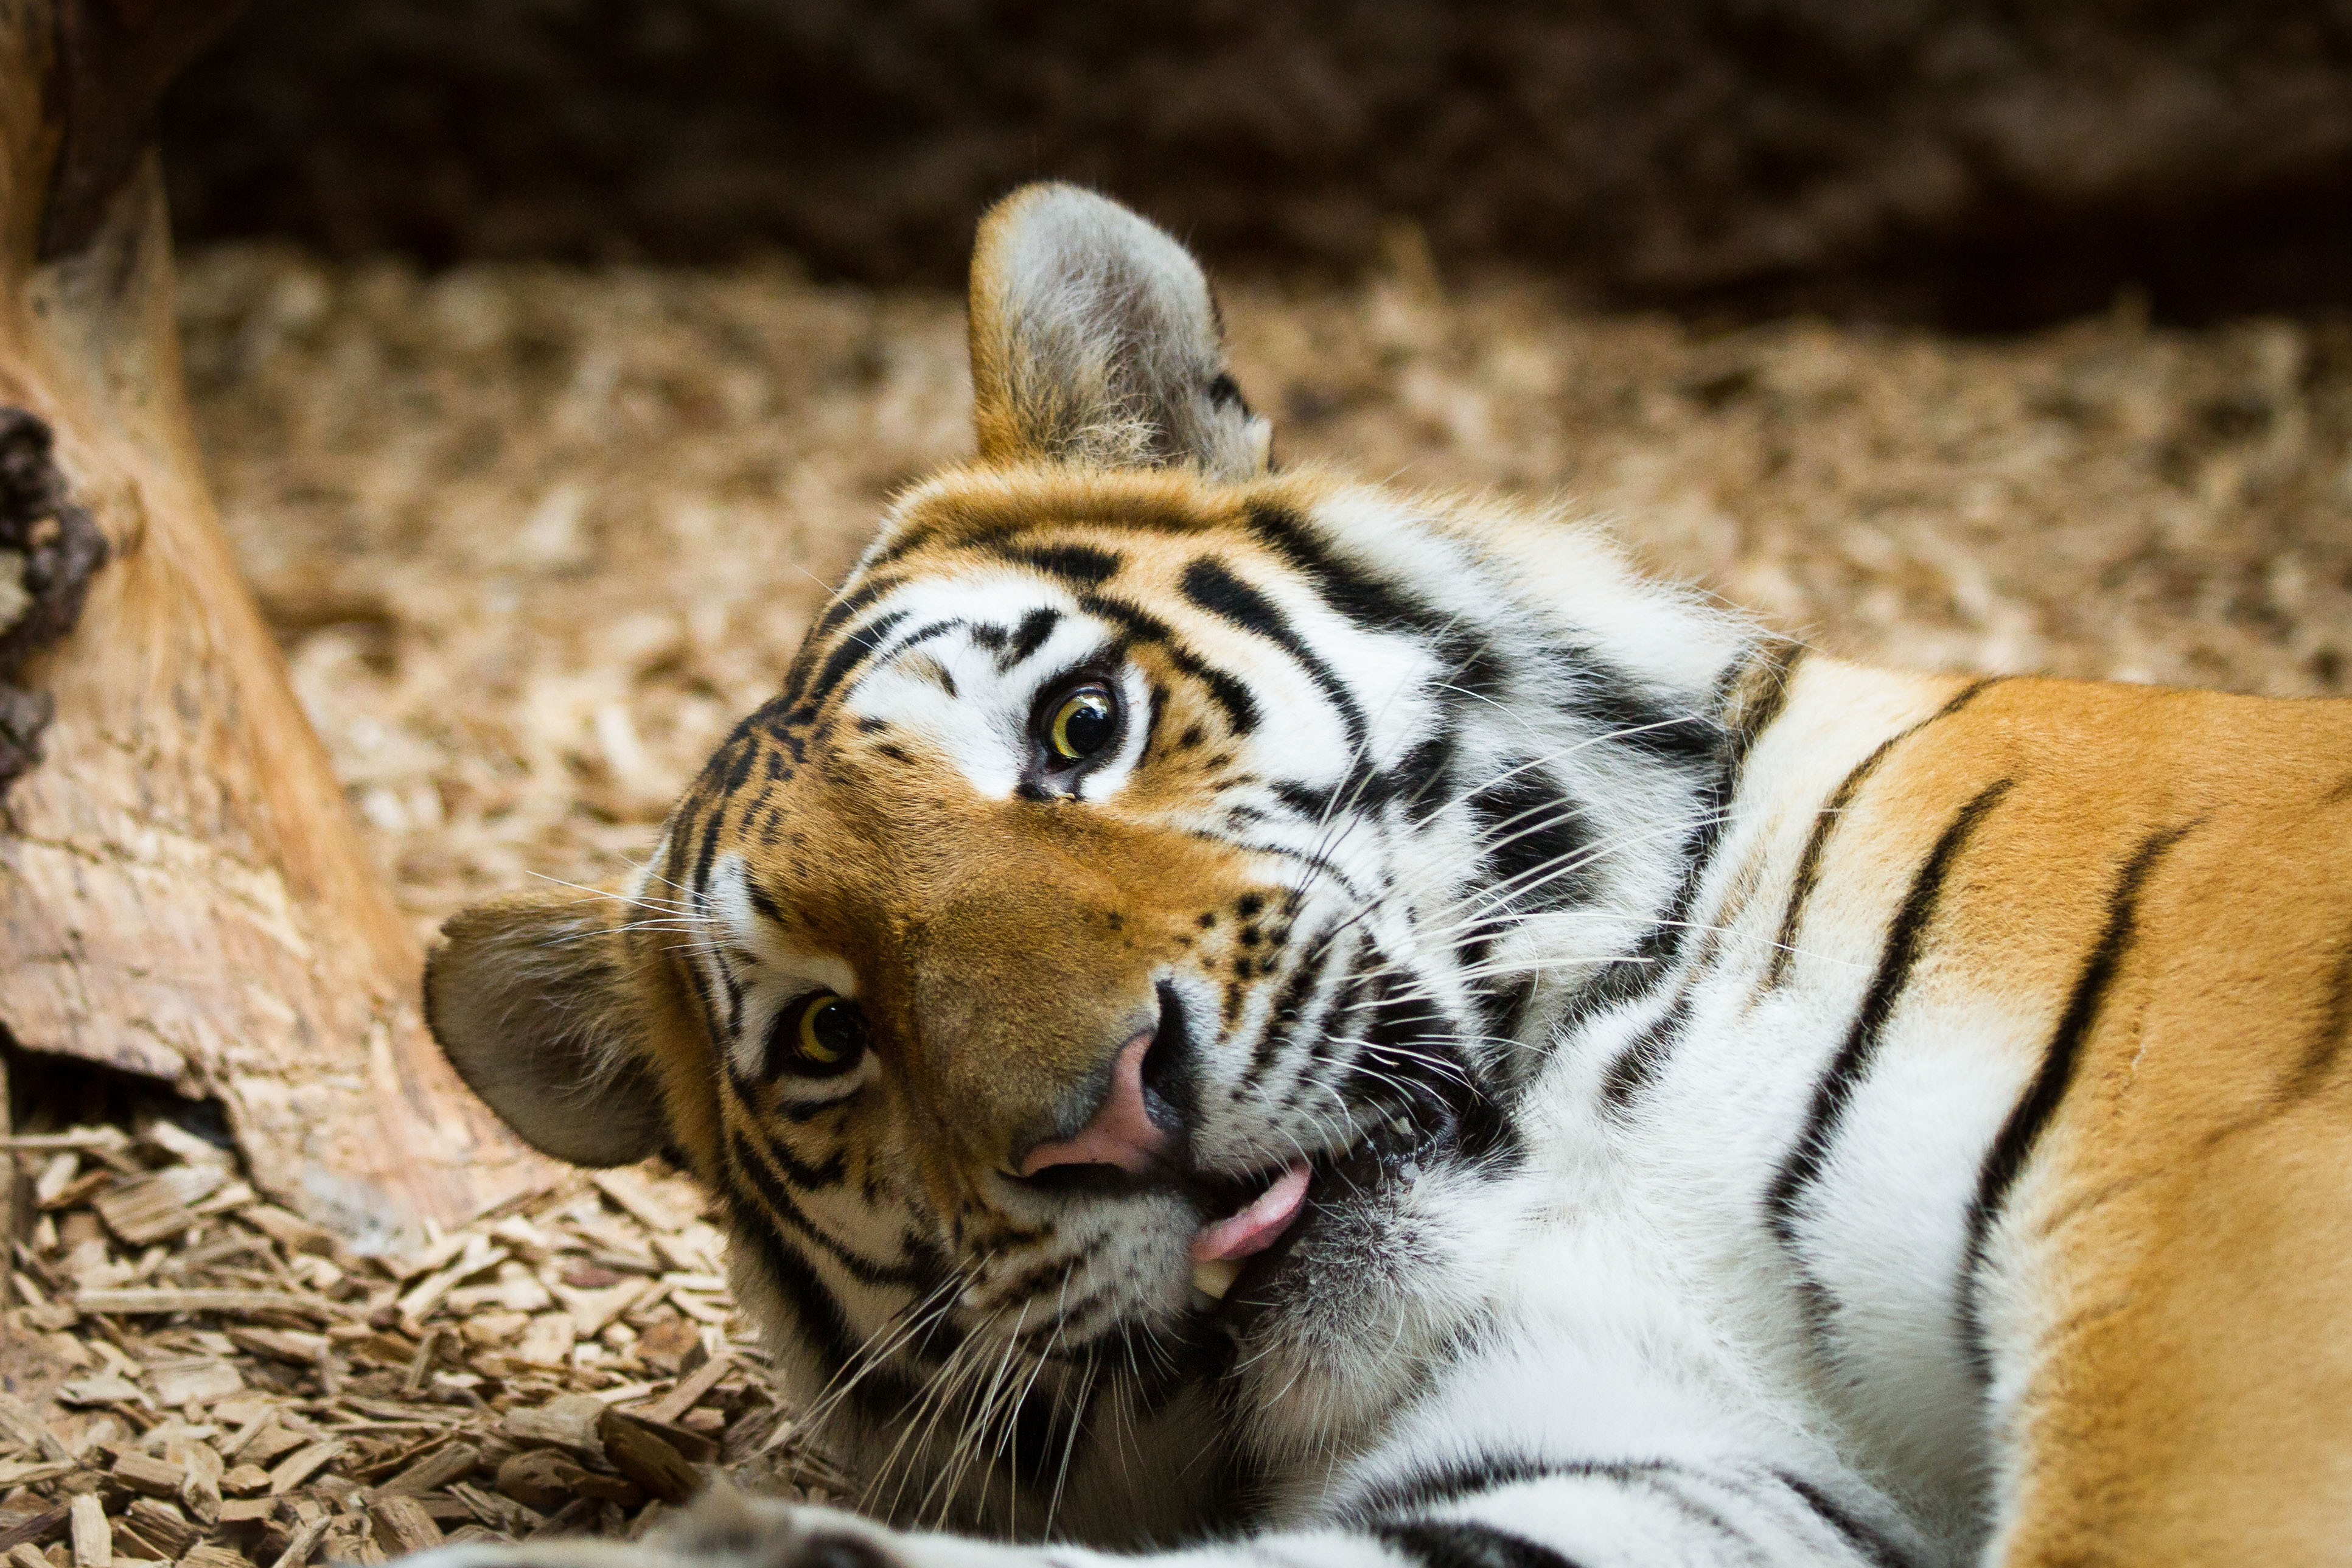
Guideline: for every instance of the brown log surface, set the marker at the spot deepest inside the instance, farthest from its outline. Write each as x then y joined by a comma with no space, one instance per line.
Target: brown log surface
182,894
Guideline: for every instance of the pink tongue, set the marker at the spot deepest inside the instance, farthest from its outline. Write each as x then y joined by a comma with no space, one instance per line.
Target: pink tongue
1259,1225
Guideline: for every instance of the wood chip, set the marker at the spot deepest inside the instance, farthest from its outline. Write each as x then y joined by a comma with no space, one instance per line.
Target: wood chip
152,1207
198,1381
304,1462
55,1177
543,1479
87,1139
499,1512
247,1511
548,1341
19,1421
591,1310
693,1390
145,1473
245,1483
402,1525
26,1557
646,1458
305,1541
107,1388
94,1541
37,1529
206,1555
200,1494
431,1472
477,1256
630,1192
136,1302
163,1524
567,1423
291,1345
290,1230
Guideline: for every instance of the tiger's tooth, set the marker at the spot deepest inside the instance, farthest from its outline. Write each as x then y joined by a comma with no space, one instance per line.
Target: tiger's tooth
1213,1276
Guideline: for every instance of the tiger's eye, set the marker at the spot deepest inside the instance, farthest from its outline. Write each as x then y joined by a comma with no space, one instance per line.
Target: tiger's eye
831,1032
1083,725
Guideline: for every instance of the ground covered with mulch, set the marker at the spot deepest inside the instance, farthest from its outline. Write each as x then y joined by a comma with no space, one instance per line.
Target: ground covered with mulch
198,1376
533,539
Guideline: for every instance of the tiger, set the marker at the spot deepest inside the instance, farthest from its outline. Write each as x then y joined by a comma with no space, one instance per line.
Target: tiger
1245,1018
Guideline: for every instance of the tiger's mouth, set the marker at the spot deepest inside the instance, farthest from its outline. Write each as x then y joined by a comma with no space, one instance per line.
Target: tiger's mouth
1241,1260
1219,1248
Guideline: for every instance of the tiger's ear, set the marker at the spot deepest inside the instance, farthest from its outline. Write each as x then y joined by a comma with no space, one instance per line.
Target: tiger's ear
529,997
1095,341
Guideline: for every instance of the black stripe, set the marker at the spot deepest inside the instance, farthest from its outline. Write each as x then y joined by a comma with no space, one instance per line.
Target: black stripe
1866,1539
2005,1161
1143,626
1212,587
1288,1013
851,652
1082,564
1527,826
1614,702
1028,637
1825,822
1458,1544
1852,1060
1645,1057
922,1273
1754,711
2326,1046
1360,594
882,1392
1424,1490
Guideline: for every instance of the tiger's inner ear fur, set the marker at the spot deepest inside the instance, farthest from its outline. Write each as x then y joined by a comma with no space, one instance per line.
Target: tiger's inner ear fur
530,1000
1095,341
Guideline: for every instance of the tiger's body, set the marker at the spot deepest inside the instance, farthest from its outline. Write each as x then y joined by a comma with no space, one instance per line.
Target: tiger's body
1260,1017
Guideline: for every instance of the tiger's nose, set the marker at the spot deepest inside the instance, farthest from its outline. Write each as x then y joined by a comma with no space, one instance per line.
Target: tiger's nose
1121,1132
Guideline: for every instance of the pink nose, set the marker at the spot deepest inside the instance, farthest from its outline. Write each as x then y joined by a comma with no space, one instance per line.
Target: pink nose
1119,1132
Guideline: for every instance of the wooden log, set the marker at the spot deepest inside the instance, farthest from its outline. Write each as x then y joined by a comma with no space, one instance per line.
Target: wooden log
184,894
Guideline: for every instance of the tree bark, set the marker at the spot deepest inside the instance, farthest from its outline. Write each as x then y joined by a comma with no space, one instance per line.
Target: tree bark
184,894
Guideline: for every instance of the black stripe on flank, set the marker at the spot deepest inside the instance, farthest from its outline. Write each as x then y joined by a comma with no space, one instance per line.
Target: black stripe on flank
1760,696
2005,1161
1904,938
1867,1541
1082,565
1456,1544
1213,588
1825,822
2325,1047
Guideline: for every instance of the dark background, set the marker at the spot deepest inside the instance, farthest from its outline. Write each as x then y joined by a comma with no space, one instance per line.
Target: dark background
1973,165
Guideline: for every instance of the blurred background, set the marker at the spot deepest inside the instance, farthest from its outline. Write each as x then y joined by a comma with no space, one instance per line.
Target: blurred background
553,355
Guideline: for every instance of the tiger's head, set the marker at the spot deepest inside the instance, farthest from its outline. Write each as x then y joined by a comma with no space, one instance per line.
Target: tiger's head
1101,975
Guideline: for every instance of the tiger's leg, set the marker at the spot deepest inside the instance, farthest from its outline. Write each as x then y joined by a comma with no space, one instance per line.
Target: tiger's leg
1569,1453
1634,1513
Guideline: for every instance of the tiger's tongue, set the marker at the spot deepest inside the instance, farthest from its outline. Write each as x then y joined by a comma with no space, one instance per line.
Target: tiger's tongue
1255,1229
